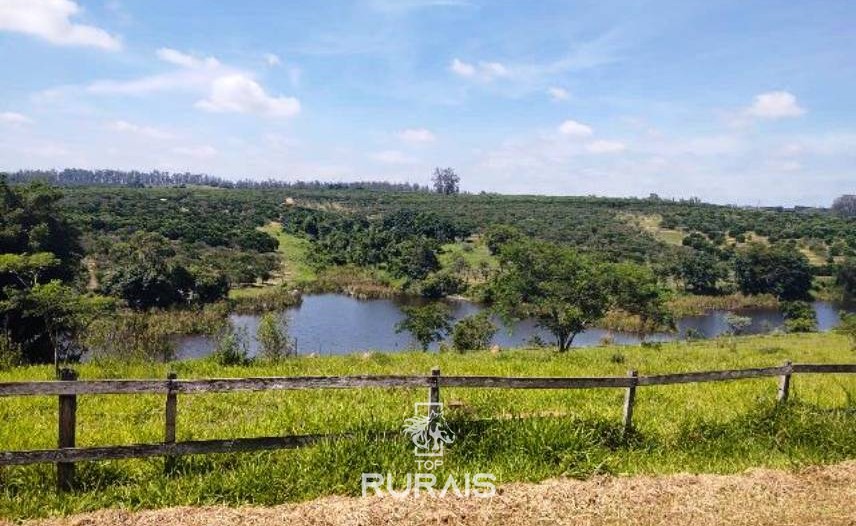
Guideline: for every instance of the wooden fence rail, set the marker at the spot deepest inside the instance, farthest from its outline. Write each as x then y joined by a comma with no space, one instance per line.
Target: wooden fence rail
69,387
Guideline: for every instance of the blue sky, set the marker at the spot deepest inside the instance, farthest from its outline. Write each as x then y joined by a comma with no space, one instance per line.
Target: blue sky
731,101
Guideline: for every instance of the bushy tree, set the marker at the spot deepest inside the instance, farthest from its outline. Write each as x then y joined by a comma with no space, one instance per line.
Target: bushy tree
427,324
565,292
635,289
779,270
473,332
799,316
272,335
445,181
700,272
845,205
496,236
846,276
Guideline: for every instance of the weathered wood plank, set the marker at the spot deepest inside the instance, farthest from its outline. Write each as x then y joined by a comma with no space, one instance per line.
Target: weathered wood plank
825,368
535,382
170,418
8,458
629,400
207,385
785,383
67,431
711,376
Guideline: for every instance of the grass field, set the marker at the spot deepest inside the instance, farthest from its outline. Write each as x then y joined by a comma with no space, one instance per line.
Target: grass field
517,435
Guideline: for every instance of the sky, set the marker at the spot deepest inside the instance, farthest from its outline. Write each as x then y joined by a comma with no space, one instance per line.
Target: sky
729,101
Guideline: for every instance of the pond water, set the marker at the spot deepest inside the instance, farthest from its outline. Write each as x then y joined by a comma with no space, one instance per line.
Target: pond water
338,324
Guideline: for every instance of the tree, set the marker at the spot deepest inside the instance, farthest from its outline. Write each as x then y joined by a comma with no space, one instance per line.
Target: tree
566,293
778,270
427,324
845,205
636,290
445,181
799,316
700,272
272,336
497,235
41,314
473,332
846,277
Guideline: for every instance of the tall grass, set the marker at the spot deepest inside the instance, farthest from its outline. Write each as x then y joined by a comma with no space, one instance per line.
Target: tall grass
515,434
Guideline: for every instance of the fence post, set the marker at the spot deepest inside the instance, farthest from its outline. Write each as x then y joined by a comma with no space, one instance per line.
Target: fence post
67,432
434,395
785,383
629,400
171,414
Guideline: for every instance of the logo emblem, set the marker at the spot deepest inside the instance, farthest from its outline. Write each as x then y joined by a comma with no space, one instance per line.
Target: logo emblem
429,432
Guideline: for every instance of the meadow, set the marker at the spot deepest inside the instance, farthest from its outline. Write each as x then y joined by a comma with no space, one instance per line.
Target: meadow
522,435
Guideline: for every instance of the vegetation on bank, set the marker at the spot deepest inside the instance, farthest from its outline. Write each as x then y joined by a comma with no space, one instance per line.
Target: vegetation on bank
522,435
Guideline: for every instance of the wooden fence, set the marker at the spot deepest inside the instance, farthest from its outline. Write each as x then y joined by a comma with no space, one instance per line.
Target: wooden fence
69,387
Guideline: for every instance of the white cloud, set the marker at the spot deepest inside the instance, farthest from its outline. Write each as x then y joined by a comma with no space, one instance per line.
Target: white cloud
200,152
575,129
11,117
51,20
392,157
145,131
417,135
240,94
485,71
602,147
184,60
272,60
775,105
558,94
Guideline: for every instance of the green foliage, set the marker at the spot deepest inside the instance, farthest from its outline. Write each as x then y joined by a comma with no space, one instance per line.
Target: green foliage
10,352
737,324
846,277
847,327
233,348
565,292
151,276
700,272
636,290
473,332
799,316
495,236
445,181
441,284
272,335
779,270
427,323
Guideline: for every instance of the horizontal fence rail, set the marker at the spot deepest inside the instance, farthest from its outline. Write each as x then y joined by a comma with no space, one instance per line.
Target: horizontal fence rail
69,387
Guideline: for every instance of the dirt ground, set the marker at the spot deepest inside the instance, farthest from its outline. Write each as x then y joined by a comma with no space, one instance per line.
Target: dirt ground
820,495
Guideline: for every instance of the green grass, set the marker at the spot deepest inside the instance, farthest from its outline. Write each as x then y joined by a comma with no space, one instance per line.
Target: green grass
519,435
295,269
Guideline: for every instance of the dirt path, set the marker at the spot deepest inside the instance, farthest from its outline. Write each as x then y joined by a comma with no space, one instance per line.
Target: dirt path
824,495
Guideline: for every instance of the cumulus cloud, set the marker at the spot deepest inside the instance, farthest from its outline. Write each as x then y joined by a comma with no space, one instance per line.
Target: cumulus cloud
571,128
775,105
604,147
51,21
240,94
144,131
272,60
11,117
417,135
558,94
485,71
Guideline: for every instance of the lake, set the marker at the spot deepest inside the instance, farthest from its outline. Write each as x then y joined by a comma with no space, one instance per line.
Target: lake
338,324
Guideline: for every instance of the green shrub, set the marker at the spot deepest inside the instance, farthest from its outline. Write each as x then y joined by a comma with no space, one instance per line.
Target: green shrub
473,332
272,336
232,348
